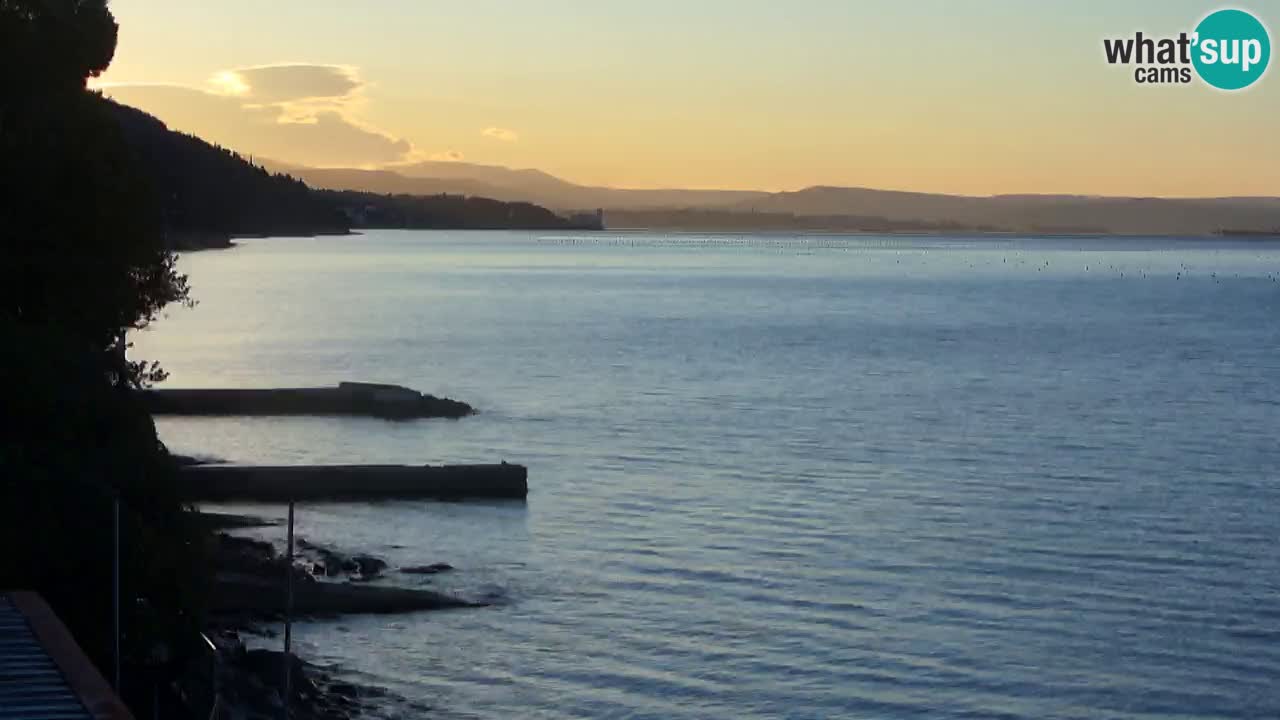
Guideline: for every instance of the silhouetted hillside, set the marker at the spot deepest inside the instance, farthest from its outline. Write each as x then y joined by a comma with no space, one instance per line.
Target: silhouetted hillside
820,207
503,183
1034,213
387,182
371,210
209,193
211,190
730,221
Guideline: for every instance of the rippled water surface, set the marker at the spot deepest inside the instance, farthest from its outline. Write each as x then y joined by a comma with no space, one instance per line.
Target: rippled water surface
784,477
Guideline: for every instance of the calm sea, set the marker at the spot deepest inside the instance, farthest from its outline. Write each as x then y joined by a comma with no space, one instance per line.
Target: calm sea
855,477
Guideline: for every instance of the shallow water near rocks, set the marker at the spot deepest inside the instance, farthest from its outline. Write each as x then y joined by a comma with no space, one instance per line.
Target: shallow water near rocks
771,476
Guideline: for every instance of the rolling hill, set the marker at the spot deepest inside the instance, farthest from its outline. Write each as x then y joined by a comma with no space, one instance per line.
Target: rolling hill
209,193
495,181
843,208
1034,213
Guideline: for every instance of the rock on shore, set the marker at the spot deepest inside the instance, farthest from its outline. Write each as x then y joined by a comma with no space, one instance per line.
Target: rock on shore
250,581
250,587
251,686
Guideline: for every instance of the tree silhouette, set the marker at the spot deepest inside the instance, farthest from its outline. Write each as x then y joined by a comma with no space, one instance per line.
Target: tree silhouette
84,247
206,189
82,258
371,210
54,44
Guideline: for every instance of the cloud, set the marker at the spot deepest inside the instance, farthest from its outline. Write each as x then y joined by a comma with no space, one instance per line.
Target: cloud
289,83
319,136
502,134
228,82
298,113
447,156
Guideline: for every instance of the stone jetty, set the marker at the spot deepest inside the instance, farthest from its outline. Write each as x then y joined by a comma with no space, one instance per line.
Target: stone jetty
282,483
347,398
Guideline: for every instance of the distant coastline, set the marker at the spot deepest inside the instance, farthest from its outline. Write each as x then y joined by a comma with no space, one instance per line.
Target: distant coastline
195,240
1258,234
724,221
820,207
207,241
210,195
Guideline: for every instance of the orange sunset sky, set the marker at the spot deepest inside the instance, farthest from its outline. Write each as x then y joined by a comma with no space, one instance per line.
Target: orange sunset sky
979,97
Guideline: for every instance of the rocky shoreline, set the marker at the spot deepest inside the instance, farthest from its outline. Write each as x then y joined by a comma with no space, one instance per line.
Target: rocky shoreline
248,598
249,684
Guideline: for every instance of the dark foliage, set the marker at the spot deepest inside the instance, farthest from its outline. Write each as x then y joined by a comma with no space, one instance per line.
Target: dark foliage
441,211
71,443
204,189
83,243
83,258
83,247
54,44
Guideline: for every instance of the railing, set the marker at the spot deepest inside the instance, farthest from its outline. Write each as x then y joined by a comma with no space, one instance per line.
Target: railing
119,507
288,616
215,662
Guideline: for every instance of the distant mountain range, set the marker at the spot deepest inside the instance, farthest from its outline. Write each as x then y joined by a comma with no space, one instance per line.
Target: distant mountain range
815,208
502,183
1039,213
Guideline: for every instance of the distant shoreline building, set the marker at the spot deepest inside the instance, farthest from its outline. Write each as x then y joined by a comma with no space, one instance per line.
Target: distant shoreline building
588,220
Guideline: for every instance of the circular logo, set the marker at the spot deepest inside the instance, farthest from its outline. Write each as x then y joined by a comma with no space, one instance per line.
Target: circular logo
1232,49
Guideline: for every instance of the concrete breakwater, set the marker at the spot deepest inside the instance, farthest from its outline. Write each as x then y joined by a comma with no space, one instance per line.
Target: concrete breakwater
347,398
282,483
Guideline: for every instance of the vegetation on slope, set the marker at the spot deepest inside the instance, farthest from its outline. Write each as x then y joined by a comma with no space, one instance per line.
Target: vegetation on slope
84,258
204,189
370,210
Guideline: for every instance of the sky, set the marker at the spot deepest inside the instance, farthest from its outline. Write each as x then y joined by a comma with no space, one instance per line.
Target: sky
970,97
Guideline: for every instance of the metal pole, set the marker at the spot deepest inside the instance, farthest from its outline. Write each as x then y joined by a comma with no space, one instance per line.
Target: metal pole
288,615
213,675
115,587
